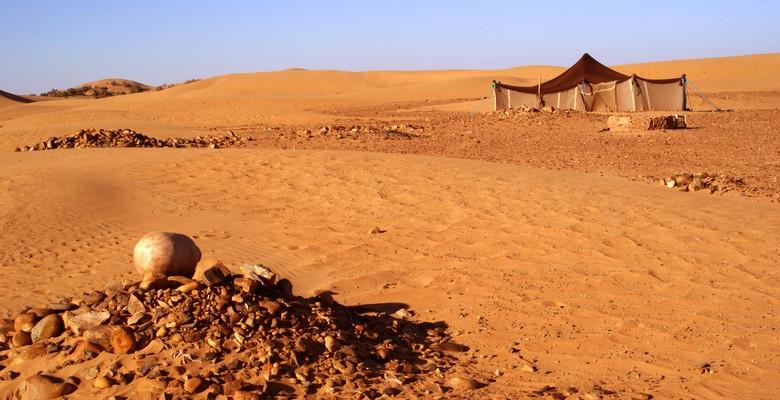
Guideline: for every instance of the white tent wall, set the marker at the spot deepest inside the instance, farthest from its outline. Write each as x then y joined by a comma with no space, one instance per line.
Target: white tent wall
634,94
562,100
500,98
661,96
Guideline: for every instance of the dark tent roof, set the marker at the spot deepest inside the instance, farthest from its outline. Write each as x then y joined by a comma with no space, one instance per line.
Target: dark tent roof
587,69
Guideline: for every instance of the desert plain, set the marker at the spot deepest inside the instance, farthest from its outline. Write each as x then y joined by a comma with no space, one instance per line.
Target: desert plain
546,245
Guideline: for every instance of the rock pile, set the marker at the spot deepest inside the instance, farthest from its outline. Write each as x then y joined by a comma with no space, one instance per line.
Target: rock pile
713,183
641,122
220,335
130,138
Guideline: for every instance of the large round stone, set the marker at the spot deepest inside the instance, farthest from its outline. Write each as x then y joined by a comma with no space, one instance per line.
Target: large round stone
161,254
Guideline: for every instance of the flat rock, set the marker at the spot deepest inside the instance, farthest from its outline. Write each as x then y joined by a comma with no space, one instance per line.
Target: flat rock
202,266
215,275
80,323
135,305
100,335
260,273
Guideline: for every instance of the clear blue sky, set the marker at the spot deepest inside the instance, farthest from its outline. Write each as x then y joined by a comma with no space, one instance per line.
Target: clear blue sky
48,44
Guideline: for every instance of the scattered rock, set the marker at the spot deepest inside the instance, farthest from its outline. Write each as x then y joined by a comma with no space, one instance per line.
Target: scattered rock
25,321
260,337
193,385
102,382
259,273
331,343
135,306
80,323
122,340
451,347
21,338
245,395
85,350
713,183
528,368
48,327
215,275
42,387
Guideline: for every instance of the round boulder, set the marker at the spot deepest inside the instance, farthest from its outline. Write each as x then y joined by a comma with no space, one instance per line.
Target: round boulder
162,254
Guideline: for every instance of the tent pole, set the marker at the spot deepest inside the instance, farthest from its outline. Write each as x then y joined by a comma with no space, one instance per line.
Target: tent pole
495,96
539,92
704,97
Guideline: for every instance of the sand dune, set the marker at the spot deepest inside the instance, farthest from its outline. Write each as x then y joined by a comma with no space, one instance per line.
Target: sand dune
10,99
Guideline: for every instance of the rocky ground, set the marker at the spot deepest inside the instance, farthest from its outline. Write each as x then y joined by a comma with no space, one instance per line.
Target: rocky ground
222,335
738,146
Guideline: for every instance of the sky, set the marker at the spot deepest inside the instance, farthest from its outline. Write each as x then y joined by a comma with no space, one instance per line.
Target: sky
47,44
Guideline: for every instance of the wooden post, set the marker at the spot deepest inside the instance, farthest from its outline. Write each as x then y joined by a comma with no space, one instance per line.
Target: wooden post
539,93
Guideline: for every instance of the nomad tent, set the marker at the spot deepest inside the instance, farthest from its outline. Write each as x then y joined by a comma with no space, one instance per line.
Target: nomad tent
591,86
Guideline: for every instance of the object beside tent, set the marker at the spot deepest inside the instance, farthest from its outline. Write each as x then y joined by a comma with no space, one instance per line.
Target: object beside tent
591,86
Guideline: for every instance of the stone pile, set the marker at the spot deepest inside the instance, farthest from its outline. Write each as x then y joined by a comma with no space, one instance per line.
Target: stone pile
642,122
129,138
712,183
222,335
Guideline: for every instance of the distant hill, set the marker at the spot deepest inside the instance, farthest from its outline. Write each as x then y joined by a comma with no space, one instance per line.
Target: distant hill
101,88
10,99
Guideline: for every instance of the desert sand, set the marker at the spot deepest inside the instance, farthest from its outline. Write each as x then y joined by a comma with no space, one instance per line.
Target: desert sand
546,246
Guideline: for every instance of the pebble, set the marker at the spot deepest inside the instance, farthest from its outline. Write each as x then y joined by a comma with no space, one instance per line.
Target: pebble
99,335
451,347
462,383
21,338
102,382
48,327
85,350
122,340
25,322
528,368
215,275
80,323
188,287
260,273
192,385
135,305
245,395
331,343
